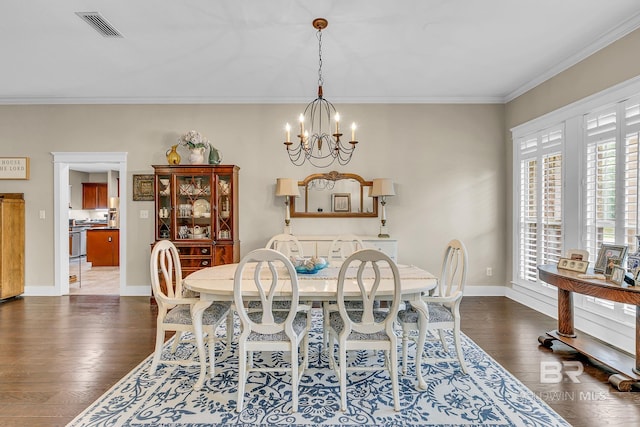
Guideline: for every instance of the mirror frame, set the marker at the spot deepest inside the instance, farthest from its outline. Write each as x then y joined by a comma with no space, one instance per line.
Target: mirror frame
332,176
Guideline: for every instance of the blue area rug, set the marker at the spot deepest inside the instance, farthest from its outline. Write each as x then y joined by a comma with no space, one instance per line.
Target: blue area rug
488,395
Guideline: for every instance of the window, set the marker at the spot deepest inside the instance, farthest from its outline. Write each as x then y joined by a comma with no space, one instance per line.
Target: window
603,152
540,239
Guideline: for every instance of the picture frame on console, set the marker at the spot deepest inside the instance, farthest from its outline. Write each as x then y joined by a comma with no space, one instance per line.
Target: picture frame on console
579,266
617,275
609,251
342,202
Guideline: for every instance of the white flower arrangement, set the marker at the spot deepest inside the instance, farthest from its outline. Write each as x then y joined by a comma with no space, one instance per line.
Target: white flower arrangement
193,139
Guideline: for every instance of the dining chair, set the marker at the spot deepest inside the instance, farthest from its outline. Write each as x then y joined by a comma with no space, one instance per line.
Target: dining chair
270,328
341,247
288,244
370,328
443,308
174,309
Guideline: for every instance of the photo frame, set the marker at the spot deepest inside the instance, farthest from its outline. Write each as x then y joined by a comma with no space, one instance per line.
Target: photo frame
341,202
612,262
617,275
608,251
143,188
577,265
579,254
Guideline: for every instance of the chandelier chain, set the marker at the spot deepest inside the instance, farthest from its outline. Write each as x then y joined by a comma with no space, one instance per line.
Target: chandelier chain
319,35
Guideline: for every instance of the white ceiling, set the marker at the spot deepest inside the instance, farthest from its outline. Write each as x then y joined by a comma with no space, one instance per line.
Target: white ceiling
238,51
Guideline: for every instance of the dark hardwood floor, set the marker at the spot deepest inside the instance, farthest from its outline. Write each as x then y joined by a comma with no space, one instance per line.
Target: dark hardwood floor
59,354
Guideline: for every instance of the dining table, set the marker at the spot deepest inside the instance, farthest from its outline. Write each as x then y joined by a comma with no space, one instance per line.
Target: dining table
217,284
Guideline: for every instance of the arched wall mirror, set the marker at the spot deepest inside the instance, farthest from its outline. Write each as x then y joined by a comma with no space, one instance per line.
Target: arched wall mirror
334,194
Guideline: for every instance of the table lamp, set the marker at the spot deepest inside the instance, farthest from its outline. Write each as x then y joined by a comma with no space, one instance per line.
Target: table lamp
383,187
288,188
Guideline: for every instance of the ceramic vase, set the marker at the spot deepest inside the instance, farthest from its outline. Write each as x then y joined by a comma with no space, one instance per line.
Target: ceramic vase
173,158
196,156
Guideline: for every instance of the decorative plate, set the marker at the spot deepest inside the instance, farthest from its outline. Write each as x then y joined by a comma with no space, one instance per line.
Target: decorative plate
200,207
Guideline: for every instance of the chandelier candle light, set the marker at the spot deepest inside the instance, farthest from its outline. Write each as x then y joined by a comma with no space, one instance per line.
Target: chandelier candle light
317,146
288,188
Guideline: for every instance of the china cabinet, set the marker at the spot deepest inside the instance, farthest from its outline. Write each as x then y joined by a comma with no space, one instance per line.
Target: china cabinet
196,207
12,244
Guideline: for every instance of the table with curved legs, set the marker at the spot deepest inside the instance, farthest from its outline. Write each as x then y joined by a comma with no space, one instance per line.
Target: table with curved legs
216,284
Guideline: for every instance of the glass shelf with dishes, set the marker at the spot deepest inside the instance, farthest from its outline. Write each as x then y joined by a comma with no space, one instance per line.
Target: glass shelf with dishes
164,207
224,212
193,207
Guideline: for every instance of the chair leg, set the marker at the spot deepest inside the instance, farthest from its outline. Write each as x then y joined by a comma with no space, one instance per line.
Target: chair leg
458,344
242,376
405,348
211,342
443,340
325,326
176,340
343,377
230,328
158,351
393,370
294,377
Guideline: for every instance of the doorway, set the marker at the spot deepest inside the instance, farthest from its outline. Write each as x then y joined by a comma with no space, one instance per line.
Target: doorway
64,162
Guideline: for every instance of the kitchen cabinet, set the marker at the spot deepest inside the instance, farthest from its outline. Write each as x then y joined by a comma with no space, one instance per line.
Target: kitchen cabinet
12,250
103,247
197,209
94,195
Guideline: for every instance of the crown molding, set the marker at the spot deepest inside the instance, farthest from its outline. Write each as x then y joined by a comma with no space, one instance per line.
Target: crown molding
614,34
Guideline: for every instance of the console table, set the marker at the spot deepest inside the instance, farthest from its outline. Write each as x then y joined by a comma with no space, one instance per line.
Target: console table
318,245
568,282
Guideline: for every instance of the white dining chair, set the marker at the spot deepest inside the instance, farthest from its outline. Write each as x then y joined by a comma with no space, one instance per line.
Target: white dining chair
443,308
340,249
370,328
174,309
288,244
270,329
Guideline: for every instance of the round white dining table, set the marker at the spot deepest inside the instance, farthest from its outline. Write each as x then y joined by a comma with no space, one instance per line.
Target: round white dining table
216,284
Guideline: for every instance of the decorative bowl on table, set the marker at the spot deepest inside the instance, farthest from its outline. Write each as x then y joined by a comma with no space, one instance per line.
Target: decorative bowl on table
309,265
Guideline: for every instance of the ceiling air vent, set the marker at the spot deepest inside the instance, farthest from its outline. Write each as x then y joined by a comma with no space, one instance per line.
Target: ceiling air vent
100,24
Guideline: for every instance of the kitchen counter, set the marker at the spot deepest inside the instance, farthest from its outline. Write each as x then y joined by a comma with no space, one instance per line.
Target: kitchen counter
103,246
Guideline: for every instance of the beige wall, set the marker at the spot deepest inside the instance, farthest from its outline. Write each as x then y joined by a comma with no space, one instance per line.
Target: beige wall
614,64
448,163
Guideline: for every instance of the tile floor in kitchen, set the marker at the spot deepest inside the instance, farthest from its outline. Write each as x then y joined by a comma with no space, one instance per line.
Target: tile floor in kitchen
93,280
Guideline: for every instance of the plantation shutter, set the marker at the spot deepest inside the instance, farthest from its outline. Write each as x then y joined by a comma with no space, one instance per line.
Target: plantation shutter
540,225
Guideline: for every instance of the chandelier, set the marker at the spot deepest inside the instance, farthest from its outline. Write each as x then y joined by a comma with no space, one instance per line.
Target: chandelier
317,144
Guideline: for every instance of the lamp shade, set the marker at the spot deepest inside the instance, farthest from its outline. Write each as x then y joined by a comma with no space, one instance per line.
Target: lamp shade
287,187
382,187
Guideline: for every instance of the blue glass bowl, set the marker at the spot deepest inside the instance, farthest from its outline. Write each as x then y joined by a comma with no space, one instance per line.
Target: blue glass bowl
304,270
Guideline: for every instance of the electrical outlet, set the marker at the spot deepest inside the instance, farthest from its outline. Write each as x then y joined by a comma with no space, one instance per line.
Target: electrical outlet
42,214
144,214
489,271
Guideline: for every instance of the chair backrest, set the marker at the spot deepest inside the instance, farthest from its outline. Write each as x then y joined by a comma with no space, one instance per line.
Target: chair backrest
165,263
454,269
343,246
373,266
265,274
287,244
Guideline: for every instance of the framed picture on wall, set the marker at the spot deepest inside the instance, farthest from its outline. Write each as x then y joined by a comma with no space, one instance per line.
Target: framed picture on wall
143,188
341,202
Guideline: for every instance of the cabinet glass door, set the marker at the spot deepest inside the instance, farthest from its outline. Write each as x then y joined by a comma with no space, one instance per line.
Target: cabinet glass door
163,208
224,217
193,207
